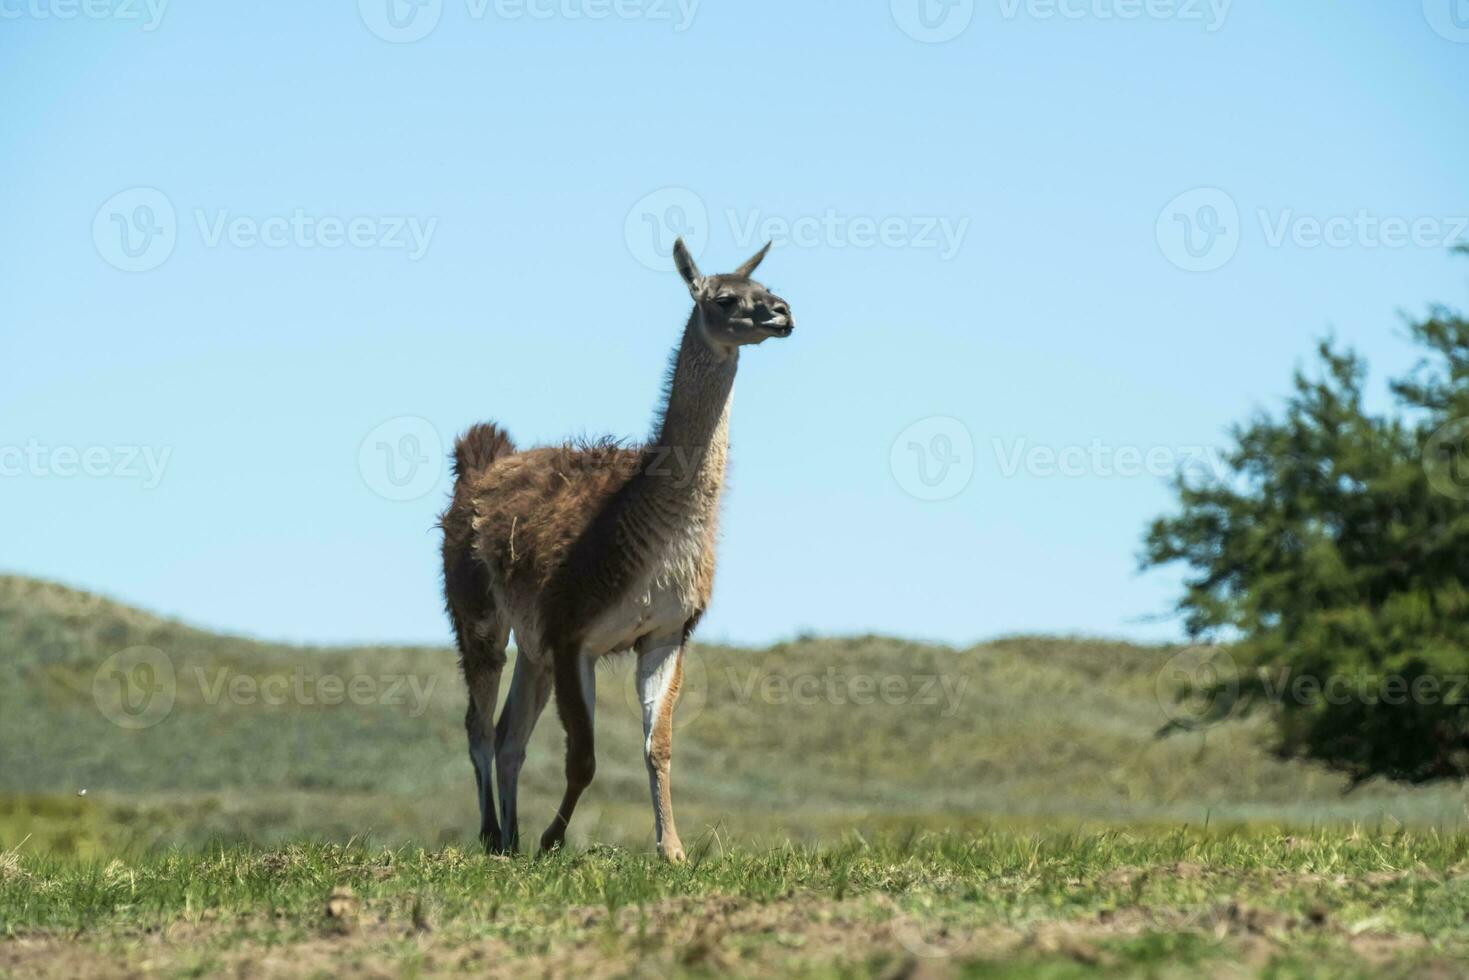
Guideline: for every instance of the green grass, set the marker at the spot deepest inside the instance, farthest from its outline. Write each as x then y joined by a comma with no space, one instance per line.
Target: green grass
993,903
861,806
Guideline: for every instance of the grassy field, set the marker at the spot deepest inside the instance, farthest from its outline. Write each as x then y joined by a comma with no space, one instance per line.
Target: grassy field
180,801
1175,903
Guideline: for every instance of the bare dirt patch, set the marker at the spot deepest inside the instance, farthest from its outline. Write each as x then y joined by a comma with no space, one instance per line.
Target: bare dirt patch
719,934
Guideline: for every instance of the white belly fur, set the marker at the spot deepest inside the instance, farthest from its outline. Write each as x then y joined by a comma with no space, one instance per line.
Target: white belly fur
657,608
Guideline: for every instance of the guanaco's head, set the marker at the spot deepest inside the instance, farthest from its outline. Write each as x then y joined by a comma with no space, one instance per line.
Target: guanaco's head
734,309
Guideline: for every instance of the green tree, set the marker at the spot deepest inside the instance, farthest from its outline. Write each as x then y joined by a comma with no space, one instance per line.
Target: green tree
1333,557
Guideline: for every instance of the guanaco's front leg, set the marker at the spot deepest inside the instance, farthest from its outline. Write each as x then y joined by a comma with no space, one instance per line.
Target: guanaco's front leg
660,677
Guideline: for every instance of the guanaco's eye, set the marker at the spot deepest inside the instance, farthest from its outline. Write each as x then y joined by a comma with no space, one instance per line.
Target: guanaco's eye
726,300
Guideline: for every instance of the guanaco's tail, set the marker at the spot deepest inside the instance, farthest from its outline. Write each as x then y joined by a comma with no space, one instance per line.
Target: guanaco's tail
479,447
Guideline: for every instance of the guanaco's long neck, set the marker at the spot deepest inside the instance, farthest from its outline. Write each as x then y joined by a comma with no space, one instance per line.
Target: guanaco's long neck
693,437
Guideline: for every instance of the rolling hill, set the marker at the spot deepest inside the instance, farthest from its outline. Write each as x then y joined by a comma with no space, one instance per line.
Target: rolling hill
179,736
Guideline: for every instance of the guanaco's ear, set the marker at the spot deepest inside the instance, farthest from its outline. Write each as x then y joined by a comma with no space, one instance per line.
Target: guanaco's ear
686,266
749,267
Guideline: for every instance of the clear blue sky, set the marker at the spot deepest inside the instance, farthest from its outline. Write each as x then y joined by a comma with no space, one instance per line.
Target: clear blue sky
523,138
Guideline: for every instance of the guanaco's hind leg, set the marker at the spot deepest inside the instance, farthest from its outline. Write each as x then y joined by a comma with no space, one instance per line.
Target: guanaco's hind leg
482,642
576,698
530,689
660,678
